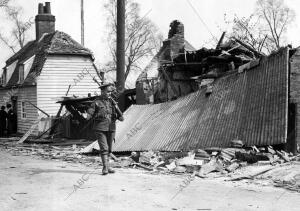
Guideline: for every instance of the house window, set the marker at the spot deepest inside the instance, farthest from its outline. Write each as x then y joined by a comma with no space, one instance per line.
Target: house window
21,73
3,78
23,110
2,81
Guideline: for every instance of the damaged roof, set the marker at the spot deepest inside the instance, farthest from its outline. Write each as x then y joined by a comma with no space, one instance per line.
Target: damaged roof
152,67
231,51
250,106
56,43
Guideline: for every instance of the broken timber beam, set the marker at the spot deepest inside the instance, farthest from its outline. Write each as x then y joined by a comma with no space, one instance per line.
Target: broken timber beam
143,166
31,129
38,108
221,40
259,172
58,114
256,53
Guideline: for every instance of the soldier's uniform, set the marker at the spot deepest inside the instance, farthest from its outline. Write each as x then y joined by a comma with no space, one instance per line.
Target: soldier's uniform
104,127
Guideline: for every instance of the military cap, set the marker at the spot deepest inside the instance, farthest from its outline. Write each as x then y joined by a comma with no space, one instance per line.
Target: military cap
102,86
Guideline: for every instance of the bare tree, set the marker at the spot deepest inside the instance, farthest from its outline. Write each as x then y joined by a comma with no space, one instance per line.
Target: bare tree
17,35
276,16
265,29
248,31
142,39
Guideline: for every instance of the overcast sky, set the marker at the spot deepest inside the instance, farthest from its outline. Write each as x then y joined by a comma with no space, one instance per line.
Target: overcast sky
162,12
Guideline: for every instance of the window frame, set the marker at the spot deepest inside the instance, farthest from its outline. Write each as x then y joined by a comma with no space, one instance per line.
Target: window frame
3,77
21,72
23,110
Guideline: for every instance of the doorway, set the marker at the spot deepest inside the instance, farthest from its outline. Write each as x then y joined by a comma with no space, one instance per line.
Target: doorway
14,101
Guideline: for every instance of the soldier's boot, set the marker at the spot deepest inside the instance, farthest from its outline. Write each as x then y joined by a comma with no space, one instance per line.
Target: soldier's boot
110,170
104,163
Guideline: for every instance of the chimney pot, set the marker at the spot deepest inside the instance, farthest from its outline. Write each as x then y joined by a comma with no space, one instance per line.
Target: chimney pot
176,27
47,8
44,21
41,8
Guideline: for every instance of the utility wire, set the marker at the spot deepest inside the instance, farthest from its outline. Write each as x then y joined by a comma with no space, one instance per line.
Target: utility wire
193,8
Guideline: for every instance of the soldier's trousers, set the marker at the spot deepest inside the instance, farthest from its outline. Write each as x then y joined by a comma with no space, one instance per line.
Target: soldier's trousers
105,140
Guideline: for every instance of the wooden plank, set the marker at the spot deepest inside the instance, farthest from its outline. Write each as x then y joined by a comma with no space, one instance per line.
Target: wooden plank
114,157
38,108
220,40
58,115
28,133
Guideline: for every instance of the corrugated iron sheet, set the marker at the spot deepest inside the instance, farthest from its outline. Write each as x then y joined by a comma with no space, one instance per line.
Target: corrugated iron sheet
250,106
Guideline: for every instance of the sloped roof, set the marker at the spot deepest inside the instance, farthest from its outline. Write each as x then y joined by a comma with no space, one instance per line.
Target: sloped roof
250,106
62,43
188,46
153,64
56,43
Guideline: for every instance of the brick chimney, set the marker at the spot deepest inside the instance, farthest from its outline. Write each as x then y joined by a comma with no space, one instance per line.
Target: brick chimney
175,43
44,20
176,28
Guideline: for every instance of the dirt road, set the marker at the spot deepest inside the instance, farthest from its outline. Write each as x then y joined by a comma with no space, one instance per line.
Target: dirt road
28,183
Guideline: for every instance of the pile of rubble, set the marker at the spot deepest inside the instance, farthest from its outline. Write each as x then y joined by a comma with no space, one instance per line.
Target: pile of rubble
65,152
234,163
212,159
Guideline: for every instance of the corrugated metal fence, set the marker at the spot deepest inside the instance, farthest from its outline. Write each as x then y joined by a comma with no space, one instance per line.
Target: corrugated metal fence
250,106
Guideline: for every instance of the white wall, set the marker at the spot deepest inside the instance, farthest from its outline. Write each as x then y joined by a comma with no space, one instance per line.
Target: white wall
58,73
23,94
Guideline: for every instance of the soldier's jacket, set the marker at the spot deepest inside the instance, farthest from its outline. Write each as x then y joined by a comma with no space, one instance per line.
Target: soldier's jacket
105,115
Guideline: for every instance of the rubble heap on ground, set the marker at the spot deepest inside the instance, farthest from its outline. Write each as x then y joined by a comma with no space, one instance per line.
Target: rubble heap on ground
277,167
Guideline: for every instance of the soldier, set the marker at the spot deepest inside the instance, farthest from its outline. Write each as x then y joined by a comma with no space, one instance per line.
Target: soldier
3,119
103,111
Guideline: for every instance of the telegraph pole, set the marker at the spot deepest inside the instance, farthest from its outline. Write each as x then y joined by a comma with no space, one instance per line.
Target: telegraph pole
120,45
82,23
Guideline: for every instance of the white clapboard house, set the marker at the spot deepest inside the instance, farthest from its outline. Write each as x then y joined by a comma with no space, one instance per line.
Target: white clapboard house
42,71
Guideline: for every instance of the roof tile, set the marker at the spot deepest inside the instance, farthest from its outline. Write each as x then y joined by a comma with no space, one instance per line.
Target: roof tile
54,43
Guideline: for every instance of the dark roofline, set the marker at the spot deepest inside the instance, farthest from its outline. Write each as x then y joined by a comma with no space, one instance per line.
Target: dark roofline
29,44
18,53
156,56
16,86
73,54
56,43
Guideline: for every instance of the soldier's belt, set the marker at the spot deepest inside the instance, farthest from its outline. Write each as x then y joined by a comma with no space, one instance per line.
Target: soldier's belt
107,116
